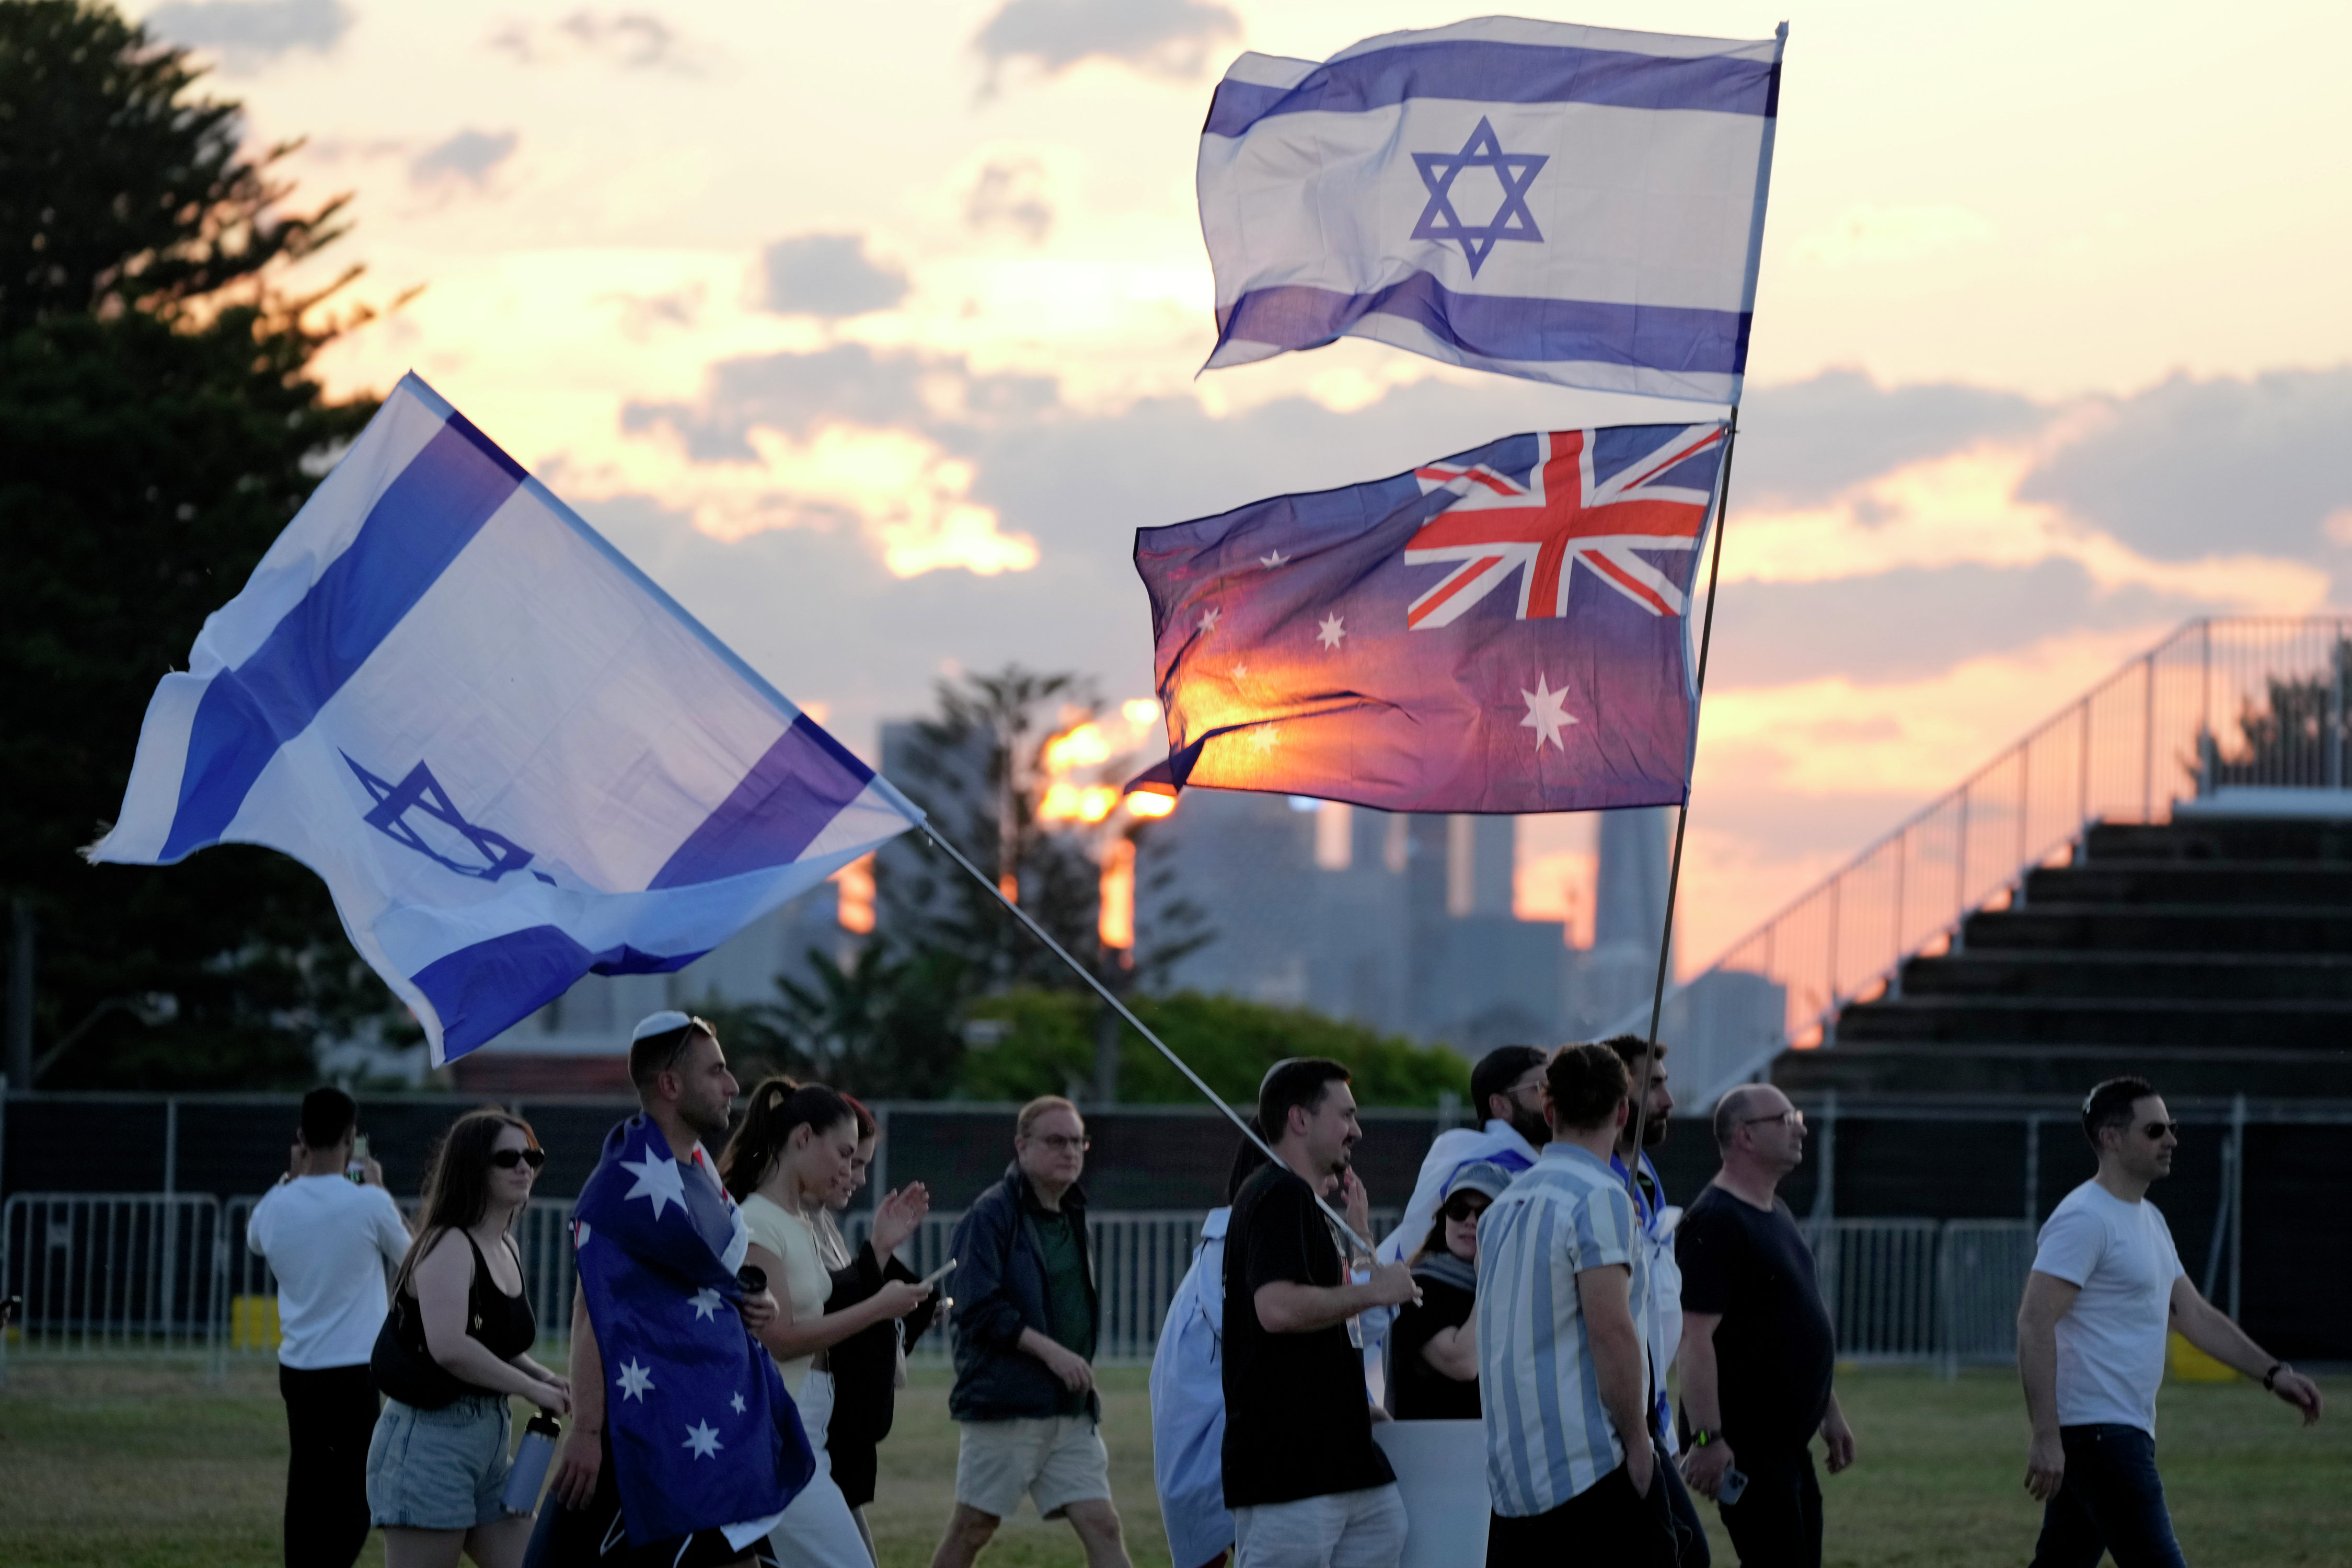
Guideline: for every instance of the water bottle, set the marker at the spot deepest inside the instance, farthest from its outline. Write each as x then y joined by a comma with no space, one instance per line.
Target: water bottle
531,1462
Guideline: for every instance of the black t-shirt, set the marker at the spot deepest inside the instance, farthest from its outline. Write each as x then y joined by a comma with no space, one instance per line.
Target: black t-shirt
1423,1392
1775,1347
1297,1421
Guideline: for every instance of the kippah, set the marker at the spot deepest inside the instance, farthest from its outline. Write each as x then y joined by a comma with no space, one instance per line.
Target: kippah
668,1021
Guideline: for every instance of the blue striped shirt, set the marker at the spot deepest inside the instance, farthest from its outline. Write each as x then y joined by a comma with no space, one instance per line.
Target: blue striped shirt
1548,1436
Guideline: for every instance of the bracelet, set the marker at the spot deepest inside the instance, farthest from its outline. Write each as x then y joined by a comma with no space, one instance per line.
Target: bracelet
1704,1436
2270,1378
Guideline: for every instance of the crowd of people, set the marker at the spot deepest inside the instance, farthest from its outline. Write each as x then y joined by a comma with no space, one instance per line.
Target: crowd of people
733,1362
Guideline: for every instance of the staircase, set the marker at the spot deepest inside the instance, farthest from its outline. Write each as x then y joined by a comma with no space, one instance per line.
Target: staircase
2212,955
2156,878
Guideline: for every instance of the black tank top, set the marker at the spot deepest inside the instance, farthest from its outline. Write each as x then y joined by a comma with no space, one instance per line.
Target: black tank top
503,1323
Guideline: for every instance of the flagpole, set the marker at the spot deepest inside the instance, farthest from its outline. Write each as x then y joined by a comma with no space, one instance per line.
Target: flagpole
1640,1087
1018,913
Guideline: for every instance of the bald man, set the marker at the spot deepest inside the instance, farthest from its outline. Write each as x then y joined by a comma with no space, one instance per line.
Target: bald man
1758,1345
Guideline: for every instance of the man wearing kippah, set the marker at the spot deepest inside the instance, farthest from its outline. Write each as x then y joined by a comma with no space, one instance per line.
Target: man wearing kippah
685,1448
2105,1285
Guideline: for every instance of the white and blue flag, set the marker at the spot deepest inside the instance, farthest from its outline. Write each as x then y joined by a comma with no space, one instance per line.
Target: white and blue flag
1571,205
513,758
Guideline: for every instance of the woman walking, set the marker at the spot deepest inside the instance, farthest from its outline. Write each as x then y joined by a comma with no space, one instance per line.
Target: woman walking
794,1150
452,1352
869,1366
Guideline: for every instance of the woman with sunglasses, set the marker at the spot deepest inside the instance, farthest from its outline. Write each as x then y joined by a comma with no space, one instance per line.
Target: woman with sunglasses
795,1149
1434,1348
453,1351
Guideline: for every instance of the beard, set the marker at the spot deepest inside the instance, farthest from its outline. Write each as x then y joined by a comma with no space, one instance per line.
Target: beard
1653,1133
1530,1125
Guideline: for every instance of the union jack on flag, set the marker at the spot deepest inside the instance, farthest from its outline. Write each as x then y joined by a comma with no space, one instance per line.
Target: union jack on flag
1562,516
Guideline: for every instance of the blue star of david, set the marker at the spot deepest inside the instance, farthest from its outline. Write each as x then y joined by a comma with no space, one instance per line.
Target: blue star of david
1516,171
420,791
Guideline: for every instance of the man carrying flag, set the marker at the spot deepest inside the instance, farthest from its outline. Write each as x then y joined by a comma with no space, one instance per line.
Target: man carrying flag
685,1448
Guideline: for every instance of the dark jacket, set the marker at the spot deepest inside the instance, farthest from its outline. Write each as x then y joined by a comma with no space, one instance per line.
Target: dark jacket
999,1288
865,1364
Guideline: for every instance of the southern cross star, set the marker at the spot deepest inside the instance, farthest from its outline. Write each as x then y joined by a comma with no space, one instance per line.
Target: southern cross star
1514,172
1264,738
1334,628
1272,560
736,1404
658,1182
1547,714
1209,619
636,1379
703,1438
707,1302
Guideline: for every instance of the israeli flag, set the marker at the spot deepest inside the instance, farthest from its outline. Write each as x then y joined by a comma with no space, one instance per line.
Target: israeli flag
512,757
1571,205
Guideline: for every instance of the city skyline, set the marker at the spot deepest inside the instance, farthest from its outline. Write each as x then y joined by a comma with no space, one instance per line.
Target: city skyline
872,343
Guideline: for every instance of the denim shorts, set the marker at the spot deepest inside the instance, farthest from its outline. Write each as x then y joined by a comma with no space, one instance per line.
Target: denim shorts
438,1469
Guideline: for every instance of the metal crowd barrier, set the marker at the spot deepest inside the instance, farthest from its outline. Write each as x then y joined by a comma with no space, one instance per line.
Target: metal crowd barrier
111,1274
161,1274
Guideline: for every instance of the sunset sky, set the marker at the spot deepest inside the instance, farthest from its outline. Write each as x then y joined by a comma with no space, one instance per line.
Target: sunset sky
871,332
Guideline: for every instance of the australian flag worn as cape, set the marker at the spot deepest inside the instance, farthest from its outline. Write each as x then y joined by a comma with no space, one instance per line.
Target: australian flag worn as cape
703,1432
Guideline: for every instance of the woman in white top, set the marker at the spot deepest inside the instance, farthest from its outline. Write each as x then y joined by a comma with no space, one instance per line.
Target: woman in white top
793,1149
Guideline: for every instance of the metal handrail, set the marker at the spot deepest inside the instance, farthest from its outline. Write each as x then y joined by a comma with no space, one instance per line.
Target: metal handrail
2219,705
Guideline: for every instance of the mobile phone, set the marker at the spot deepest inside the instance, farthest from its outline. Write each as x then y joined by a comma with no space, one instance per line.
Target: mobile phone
936,1275
1734,1483
357,1169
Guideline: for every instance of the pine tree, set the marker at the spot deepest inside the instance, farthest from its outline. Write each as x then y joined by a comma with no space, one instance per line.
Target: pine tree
159,426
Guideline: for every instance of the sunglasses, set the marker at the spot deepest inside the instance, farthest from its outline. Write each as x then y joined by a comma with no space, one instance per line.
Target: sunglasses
1459,1209
2156,1130
1063,1143
508,1159
1791,1117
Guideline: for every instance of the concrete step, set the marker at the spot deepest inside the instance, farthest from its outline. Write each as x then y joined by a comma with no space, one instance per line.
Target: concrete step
2298,1024
2222,838
2058,925
2018,1069
2230,884
2131,976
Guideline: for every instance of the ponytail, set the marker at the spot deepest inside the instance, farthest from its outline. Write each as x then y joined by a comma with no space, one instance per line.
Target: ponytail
777,1106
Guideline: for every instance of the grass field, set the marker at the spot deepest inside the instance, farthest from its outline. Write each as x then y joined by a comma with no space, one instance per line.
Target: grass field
134,1464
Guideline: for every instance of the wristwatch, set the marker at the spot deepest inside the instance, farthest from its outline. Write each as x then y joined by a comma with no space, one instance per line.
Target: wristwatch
2270,1378
1704,1436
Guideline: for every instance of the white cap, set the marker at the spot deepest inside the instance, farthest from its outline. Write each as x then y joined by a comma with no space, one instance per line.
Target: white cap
668,1021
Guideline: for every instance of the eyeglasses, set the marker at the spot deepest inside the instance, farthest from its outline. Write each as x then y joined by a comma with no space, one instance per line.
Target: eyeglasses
2156,1130
1459,1209
1063,1143
508,1159
1792,1117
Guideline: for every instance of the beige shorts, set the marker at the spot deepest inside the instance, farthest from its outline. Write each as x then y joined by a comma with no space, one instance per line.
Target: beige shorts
1056,1459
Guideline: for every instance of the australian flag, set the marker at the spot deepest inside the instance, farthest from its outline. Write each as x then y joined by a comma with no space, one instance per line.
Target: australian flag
703,1434
1501,631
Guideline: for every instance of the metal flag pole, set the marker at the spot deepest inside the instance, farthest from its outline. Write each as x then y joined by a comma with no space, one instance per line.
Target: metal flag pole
1105,992
1641,1085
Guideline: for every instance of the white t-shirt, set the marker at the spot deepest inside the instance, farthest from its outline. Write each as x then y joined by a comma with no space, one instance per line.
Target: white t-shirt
329,1240
2111,1342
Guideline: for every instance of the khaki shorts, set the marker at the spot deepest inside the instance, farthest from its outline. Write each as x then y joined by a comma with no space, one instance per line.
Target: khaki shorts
1056,1459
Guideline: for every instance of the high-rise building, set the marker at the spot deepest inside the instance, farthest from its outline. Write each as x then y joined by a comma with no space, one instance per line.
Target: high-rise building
1402,922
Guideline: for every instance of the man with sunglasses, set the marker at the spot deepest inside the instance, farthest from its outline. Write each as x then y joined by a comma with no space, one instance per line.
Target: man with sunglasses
1758,1348
2107,1283
1507,1092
